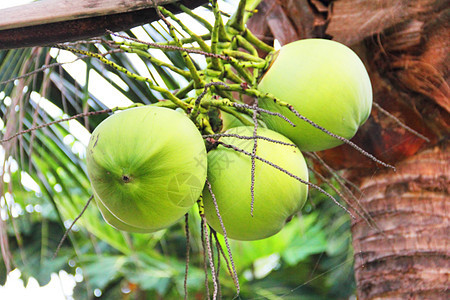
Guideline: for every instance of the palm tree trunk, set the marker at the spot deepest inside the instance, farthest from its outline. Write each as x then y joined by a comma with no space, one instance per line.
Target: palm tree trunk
409,257
404,46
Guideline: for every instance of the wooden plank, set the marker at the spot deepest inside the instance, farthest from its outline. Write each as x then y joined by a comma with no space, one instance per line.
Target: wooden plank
52,11
48,31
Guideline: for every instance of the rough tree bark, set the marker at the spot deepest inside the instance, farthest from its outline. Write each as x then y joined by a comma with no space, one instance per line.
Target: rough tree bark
408,258
405,47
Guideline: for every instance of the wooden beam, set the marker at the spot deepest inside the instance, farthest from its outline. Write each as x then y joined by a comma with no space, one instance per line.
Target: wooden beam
48,22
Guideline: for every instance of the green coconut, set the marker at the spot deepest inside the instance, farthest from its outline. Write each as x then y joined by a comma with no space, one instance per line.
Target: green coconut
324,81
147,166
115,222
230,121
277,195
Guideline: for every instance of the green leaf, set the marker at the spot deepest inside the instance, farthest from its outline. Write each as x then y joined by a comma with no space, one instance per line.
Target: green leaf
312,241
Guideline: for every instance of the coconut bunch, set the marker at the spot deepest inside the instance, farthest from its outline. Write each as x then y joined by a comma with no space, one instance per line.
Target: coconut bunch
150,165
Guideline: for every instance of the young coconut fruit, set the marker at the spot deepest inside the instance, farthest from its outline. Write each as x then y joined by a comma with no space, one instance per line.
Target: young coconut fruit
324,81
277,195
147,167
115,222
230,121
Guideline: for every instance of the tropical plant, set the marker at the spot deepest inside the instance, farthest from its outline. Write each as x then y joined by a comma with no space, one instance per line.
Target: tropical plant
311,257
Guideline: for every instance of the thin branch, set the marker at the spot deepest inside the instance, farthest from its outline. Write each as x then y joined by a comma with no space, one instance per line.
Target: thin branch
170,47
255,145
211,262
247,138
213,232
400,123
213,259
342,139
194,112
222,226
205,90
241,105
342,180
91,113
256,93
328,182
119,68
186,228
205,265
290,174
70,227
369,220
43,68
220,249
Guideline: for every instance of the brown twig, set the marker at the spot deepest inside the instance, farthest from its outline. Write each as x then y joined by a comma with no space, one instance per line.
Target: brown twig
247,138
208,248
170,47
186,228
222,226
220,249
241,105
45,67
255,145
91,113
290,174
342,139
205,265
70,227
400,123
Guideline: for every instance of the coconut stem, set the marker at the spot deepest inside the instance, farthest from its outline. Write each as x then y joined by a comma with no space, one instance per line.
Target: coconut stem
222,226
216,135
91,113
255,145
186,228
237,20
199,19
150,82
288,173
156,61
194,112
198,82
241,42
197,38
215,63
258,94
243,55
400,123
249,36
210,258
143,45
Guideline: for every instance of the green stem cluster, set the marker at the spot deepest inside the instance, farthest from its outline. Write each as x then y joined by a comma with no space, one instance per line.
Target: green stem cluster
232,60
